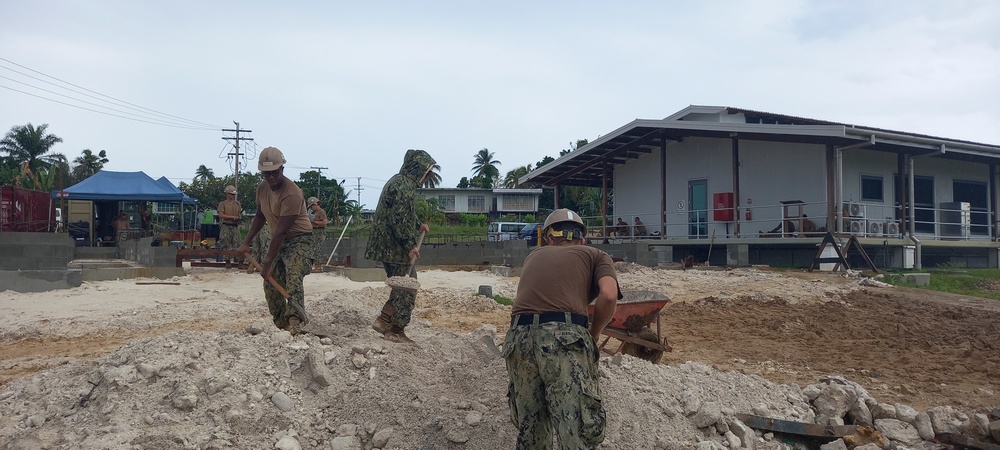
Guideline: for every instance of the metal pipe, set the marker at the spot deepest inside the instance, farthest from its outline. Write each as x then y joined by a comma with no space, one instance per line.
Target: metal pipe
839,194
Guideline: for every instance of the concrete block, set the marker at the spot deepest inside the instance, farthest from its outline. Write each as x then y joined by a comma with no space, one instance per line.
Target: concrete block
39,280
919,279
9,250
18,263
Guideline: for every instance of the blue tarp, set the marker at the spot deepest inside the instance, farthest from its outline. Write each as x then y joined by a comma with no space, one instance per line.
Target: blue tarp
123,186
187,199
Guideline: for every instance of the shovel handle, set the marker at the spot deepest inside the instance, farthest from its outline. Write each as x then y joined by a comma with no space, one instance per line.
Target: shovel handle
413,260
268,277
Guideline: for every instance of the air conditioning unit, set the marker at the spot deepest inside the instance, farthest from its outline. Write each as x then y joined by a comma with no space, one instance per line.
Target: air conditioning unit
892,229
852,209
875,228
857,227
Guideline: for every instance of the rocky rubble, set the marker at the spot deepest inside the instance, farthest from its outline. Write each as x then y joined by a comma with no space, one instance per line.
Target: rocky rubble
257,387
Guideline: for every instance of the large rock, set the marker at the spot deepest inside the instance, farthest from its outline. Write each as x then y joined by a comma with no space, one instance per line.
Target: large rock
923,423
859,413
884,411
944,419
833,402
995,430
897,430
745,433
906,413
709,413
834,445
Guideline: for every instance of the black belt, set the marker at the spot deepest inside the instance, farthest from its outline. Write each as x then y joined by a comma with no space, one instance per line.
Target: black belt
231,224
555,316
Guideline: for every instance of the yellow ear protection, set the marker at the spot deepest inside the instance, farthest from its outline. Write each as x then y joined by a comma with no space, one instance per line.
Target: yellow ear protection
568,234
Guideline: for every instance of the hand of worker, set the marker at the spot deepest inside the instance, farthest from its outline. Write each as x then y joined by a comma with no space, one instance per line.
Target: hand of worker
424,228
414,253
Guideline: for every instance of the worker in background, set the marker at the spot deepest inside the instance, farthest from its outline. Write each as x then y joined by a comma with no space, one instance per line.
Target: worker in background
230,211
121,226
393,240
260,243
622,228
282,208
640,228
551,349
319,222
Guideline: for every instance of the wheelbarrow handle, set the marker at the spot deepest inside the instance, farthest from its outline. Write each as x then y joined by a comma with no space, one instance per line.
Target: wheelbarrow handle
269,278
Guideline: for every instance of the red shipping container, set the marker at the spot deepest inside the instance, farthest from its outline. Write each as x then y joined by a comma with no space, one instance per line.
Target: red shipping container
26,210
722,206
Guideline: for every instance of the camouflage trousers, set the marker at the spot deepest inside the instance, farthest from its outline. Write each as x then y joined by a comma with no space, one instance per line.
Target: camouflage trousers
260,243
294,261
553,386
319,235
229,239
400,302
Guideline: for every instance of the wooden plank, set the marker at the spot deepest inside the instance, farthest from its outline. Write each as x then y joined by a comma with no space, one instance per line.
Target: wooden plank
797,428
173,283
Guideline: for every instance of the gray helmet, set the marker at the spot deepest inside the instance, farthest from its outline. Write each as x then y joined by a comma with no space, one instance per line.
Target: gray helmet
230,189
311,201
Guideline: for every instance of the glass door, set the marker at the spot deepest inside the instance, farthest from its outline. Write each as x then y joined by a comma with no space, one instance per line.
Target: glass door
698,209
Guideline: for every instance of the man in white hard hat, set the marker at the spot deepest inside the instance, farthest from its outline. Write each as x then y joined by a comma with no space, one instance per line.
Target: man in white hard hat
319,222
282,208
230,213
551,346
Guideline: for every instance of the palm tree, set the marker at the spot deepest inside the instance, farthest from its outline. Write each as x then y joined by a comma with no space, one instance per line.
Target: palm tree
203,173
87,164
485,166
30,145
511,180
433,178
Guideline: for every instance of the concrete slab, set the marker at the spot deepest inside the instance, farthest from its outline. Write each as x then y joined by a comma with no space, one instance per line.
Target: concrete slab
39,280
919,279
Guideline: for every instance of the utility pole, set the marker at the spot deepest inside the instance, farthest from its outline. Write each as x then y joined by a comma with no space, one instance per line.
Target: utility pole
319,175
236,153
359,189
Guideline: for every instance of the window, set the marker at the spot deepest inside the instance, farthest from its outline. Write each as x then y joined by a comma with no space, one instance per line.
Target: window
518,202
871,189
166,208
447,202
477,203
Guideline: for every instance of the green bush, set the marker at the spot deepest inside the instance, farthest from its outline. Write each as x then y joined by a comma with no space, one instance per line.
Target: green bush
529,218
473,220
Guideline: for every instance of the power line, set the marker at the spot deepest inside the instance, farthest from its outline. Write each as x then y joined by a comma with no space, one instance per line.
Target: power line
237,154
192,123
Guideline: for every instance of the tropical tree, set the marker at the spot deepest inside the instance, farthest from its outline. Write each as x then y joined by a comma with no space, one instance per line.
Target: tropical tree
511,180
433,178
28,147
486,167
463,183
203,173
87,164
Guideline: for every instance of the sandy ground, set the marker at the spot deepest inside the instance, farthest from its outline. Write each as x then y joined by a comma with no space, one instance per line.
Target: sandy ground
767,329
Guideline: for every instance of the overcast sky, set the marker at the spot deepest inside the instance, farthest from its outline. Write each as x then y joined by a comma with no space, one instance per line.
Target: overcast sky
351,85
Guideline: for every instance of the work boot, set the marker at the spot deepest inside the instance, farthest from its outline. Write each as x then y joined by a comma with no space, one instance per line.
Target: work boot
294,323
397,335
381,325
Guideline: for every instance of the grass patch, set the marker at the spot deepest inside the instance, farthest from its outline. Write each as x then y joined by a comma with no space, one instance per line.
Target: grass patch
503,300
983,283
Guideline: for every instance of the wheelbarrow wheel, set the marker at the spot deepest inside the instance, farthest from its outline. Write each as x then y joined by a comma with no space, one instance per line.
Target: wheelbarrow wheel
651,354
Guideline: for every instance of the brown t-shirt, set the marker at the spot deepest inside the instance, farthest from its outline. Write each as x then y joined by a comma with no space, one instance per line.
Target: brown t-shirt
319,216
286,201
230,208
561,279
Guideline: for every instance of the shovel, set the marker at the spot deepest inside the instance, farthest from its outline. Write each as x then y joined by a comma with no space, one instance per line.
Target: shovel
277,287
406,282
338,241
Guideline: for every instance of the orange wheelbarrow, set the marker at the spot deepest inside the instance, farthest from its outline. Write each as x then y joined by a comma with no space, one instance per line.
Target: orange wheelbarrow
630,326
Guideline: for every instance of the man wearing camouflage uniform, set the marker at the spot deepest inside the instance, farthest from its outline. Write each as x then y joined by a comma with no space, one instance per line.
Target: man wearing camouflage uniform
229,213
282,208
319,222
393,239
551,353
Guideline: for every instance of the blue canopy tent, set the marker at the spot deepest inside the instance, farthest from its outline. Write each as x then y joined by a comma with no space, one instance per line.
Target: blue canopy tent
106,185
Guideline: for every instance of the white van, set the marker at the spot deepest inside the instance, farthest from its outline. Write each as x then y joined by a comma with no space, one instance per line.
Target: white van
504,231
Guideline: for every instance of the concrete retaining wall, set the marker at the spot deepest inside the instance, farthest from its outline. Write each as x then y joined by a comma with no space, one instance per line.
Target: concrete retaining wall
35,251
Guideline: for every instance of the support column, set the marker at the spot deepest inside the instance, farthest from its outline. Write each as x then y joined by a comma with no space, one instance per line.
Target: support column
663,188
737,199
